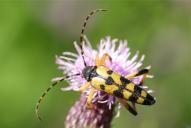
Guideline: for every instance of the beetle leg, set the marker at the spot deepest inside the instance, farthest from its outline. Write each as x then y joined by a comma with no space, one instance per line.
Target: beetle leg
129,76
141,72
90,97
84,87
131,109
143,78
97,61
104,57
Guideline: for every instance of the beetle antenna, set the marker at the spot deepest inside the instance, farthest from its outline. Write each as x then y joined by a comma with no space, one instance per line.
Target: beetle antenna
47,90
83,29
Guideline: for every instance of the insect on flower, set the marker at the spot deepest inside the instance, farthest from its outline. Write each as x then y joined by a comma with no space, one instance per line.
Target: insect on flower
100,77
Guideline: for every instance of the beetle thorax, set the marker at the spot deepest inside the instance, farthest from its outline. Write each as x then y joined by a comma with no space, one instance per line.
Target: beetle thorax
89,72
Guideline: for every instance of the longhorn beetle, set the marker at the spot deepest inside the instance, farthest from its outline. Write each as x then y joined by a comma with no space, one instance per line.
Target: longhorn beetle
103,78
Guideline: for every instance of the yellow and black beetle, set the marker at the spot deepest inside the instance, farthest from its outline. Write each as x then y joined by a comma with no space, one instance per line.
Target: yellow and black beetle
103,78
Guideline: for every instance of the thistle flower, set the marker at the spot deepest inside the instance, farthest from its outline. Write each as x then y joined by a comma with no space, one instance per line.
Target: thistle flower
104,104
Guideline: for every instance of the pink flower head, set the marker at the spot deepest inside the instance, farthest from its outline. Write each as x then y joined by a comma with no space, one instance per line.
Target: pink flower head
122,63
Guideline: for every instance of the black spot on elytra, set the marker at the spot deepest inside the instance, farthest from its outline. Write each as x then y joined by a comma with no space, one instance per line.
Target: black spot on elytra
124,81
109,72
109,81
102,87
133,98
118,93
121,87
137,90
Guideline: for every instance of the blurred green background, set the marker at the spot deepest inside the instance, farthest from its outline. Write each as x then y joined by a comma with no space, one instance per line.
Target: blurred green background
32,33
